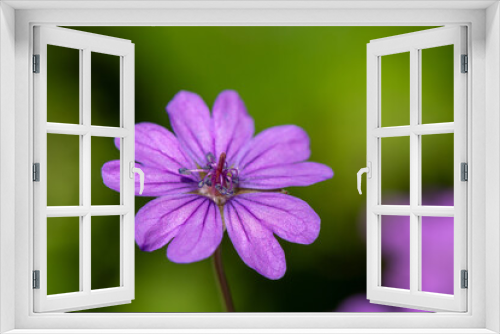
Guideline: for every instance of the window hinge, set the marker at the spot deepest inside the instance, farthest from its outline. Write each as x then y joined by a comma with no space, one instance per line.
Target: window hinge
465,64
465,279
36,172
36,63
36,279
464,171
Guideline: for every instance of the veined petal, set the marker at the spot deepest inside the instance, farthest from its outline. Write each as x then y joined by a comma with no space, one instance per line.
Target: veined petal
279,145
190,119
157,182
282,176
157,147
233,127
200,235
255,243
166,217
288,217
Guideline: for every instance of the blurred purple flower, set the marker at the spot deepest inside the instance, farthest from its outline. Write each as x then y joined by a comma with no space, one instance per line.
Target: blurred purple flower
212,175
359,303
437,257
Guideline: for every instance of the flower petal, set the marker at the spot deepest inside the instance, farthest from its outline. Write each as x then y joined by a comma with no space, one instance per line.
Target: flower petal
288,217
255,244
157,222
279,145
359,303
233,127
200,235
157,182
157,147
190,119
282,176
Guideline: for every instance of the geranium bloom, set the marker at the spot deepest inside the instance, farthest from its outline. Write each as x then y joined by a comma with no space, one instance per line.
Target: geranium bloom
437,257
213,175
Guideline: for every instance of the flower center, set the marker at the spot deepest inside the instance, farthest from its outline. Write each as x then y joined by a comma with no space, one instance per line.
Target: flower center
217,179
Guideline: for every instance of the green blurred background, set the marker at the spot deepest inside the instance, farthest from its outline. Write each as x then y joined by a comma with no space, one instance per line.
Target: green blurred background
314,77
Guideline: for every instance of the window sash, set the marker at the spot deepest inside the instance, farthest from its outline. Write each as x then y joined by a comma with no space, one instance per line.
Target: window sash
86,297
413,43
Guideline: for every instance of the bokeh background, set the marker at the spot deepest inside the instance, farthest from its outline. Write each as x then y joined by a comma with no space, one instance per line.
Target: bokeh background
314,77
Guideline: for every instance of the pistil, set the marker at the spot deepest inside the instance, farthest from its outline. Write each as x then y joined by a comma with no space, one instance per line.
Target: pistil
217,178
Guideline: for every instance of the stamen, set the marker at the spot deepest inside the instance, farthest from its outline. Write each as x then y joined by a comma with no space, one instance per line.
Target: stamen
216,174
222,190
184,171
210,157
234,172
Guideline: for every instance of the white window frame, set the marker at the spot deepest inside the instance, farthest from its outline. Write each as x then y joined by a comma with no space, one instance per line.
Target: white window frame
16,21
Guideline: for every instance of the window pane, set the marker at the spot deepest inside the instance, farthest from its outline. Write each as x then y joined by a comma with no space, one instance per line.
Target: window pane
105,90
395,90
437,169
63,170
395,173
437,254
396,251
105,252
63,85
437,84
103,150
63,255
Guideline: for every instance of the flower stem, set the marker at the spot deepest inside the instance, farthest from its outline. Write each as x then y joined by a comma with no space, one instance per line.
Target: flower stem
222,280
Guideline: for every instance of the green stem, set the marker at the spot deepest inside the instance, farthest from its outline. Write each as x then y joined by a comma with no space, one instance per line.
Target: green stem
222,280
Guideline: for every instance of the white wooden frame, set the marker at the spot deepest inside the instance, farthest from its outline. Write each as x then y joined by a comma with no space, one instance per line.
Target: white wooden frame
85,43
482,17
414,43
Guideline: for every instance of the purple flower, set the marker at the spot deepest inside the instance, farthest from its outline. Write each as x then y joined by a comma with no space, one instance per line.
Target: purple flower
437,257
213,175
359,303
437,249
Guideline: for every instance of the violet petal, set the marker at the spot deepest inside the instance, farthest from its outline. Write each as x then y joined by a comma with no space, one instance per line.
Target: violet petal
157,222
200,235
255,243
190,119
279,145
289,175
157,147
288,217
157,182
233,127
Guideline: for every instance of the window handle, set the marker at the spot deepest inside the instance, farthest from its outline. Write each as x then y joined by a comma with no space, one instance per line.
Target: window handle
139,171
368,171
